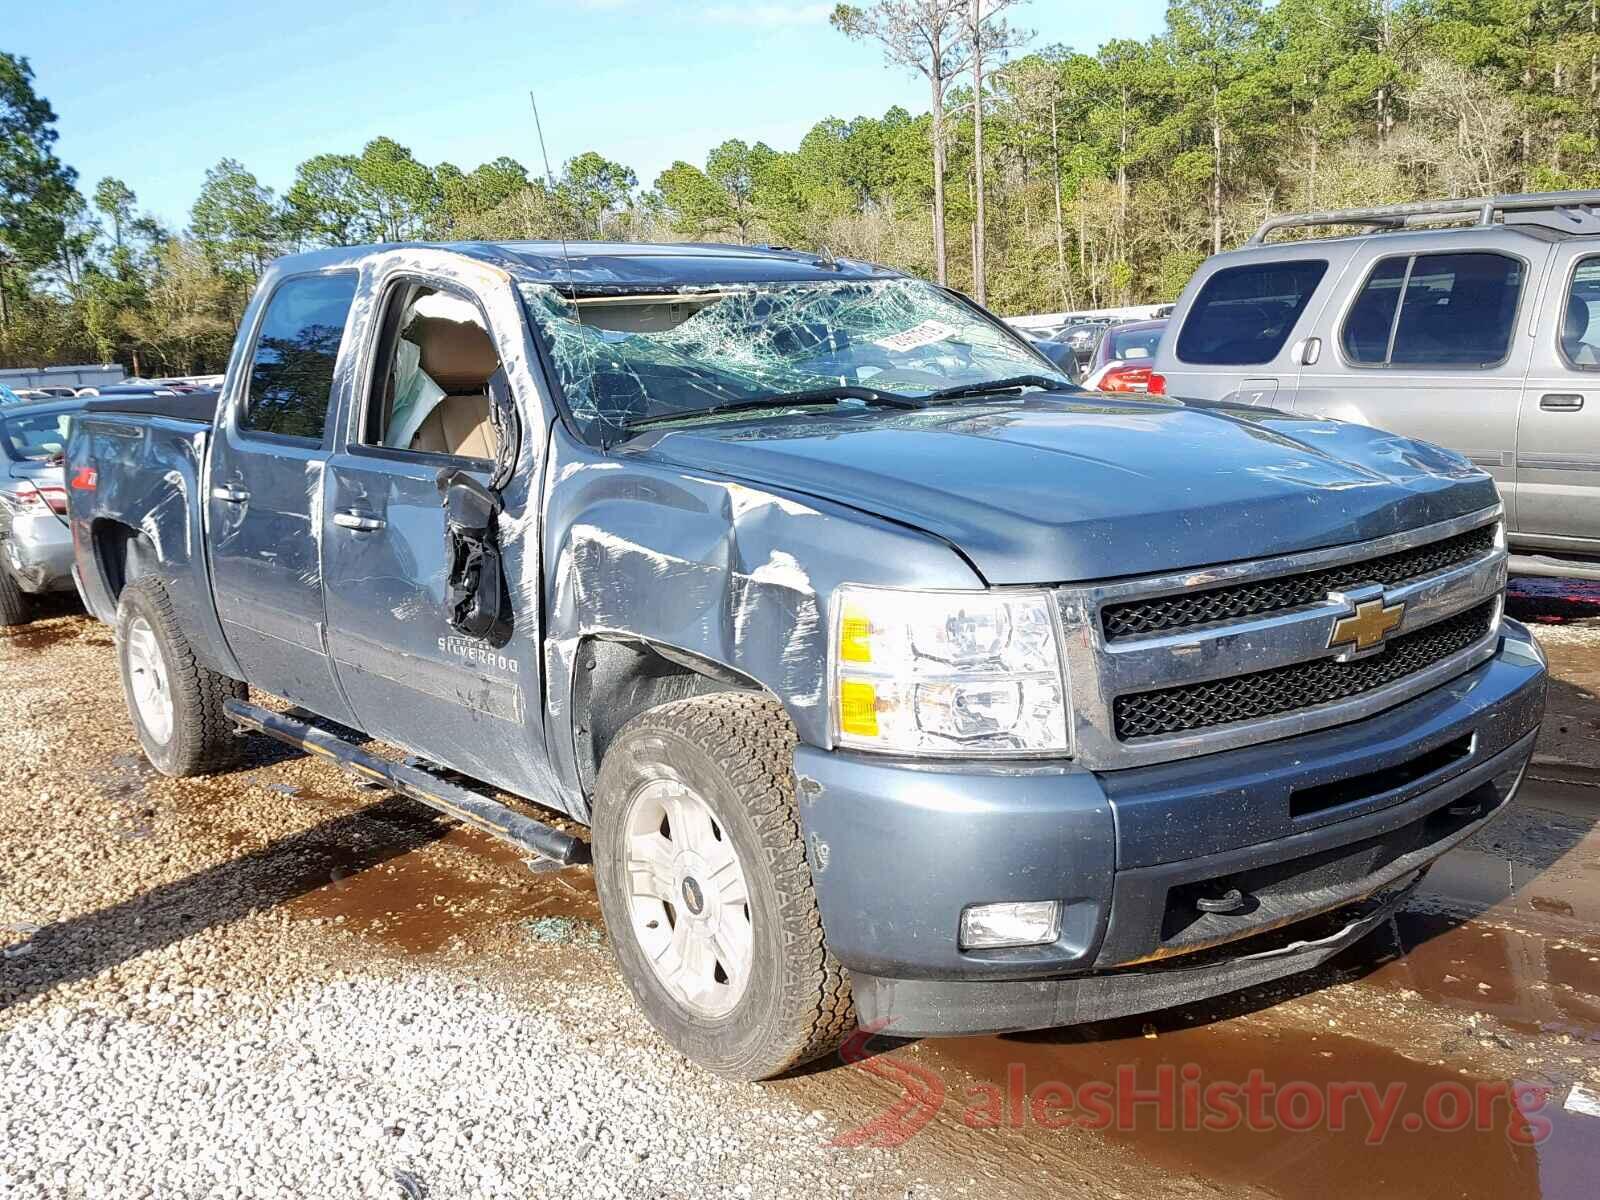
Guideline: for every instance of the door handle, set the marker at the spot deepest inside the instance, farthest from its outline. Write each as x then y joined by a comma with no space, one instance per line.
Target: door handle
230,495
1561,402
359,521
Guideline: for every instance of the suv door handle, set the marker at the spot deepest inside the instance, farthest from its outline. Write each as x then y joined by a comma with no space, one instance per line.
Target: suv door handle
359,521
230,495
1561,402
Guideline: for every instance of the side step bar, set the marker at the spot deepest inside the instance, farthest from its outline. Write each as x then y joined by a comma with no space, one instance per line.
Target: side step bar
466,806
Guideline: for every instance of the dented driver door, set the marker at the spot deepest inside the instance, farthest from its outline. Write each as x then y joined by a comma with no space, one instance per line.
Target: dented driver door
414,678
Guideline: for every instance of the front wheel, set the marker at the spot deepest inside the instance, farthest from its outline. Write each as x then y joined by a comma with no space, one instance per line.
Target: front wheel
705,889
176,703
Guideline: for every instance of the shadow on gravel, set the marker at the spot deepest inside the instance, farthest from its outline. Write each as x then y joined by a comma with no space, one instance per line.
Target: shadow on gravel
84,946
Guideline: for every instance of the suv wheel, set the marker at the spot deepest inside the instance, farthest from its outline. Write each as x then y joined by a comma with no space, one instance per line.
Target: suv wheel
175,702
703,881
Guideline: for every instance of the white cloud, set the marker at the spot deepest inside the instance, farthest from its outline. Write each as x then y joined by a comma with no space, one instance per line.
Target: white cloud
768,16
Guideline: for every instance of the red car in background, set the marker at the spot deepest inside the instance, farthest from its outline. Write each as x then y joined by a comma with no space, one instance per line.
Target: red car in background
1122,360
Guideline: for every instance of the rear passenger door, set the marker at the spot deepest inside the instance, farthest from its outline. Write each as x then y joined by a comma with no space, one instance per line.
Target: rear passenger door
1241,335
1429,345
1558,434
265,491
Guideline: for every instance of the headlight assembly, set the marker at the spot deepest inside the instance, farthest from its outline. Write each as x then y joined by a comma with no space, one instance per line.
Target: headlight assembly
948,673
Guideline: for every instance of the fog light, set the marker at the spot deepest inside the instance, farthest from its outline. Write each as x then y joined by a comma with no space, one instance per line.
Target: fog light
1028,923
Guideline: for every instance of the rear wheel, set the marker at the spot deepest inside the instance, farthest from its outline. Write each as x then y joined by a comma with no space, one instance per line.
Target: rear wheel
703,880
175,702
16,607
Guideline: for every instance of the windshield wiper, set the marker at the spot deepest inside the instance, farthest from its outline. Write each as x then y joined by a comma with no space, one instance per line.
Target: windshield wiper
1014,383
826,395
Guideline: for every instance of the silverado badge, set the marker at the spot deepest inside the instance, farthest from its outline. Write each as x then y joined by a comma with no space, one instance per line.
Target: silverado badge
1367,626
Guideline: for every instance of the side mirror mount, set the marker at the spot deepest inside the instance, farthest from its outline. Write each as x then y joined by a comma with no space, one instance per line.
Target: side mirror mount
507,425
476,602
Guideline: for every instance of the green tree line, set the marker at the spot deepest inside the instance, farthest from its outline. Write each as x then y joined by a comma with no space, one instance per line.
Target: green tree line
1037,179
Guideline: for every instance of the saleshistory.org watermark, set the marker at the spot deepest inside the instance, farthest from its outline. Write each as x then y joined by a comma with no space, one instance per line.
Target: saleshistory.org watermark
1172,1098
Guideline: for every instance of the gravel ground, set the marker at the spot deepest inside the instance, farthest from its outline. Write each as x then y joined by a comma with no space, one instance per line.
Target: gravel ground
277,984
198,996
361,1087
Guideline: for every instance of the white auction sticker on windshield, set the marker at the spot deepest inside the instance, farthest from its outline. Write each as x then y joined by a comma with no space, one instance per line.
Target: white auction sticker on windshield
925,334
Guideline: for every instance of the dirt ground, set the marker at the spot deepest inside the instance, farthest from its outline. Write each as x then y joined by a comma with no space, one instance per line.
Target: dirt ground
115,882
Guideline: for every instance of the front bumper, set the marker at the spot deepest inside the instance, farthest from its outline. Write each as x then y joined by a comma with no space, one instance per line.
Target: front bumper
38,553
1322,834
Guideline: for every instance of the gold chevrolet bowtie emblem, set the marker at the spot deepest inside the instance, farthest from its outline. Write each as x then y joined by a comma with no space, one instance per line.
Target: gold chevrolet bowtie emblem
1372,621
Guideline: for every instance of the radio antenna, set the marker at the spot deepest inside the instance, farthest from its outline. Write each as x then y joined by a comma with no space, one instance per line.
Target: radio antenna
550,181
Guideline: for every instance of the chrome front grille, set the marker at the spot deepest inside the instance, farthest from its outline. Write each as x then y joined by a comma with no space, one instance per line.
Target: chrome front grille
1190,663
1304,685
1271,595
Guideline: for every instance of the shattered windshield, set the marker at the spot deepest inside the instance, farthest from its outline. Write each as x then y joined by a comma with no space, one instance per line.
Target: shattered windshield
625,358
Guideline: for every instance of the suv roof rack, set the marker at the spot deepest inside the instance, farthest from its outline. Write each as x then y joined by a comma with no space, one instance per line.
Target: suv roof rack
1565,212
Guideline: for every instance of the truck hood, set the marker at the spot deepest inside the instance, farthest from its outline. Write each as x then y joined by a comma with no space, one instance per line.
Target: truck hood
1050,489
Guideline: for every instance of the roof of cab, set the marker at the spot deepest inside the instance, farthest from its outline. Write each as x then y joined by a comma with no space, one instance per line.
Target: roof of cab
610,264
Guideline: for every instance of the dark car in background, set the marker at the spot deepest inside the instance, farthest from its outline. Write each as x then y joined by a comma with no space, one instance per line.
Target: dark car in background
1059,353
1082,337
1121,360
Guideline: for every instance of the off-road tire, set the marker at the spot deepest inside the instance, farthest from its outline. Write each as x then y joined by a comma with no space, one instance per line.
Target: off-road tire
16,606
202,740
737,751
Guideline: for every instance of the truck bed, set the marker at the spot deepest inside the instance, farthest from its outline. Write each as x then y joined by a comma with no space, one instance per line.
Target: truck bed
142,509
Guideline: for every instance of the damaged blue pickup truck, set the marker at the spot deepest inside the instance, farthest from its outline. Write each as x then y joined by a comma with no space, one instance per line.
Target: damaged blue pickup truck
896,679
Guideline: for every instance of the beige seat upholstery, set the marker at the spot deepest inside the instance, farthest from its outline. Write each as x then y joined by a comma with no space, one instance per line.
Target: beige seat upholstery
459,358
458,425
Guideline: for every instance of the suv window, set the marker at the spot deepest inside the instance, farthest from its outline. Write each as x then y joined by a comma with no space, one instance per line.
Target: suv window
1580,325
1243,315
291,377
1455,310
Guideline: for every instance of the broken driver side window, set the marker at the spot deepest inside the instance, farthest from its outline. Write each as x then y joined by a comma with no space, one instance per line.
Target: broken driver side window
431,390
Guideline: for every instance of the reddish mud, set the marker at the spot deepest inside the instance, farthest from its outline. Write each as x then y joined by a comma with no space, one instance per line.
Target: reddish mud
1318,1141
1526,982
465,885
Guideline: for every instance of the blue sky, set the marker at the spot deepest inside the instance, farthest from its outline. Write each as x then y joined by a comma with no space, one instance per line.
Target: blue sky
155,92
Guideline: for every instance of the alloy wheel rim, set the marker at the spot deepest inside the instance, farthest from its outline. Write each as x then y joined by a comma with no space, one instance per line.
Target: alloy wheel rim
147,678
687,898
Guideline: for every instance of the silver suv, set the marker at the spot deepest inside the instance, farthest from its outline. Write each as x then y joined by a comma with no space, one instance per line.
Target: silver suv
1484,338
